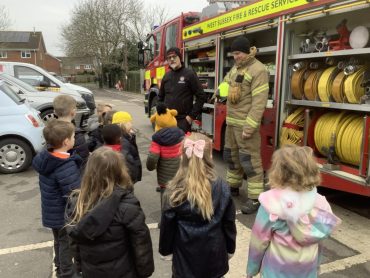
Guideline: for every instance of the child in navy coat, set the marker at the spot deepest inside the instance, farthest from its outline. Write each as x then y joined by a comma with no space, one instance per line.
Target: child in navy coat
59,174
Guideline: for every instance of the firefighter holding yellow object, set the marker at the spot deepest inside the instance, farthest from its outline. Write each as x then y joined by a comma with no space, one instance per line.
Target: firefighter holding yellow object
246,87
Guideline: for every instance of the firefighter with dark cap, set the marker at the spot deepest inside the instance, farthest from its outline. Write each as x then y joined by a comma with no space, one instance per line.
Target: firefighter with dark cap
178,88
246,88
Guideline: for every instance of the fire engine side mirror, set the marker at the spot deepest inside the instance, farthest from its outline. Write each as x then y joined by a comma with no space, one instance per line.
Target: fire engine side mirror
140,46
140,58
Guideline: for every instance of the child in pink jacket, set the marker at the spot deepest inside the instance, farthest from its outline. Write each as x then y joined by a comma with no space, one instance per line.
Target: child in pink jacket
292,220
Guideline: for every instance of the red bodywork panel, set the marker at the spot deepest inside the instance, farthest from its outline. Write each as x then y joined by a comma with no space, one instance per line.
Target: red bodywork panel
267,132
220,120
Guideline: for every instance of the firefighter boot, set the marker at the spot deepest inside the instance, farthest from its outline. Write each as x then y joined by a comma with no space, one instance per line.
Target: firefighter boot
250,206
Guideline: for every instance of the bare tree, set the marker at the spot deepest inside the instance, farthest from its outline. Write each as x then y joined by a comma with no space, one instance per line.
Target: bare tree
152,15
5,21
100,28
107,29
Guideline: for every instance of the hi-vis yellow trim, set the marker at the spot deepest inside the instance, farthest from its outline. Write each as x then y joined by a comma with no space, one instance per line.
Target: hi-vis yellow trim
251,122
155,81
233,179
147,74
260,89
160,72
234,121
239,122
50,89
247,77
223,89
255,184
249,12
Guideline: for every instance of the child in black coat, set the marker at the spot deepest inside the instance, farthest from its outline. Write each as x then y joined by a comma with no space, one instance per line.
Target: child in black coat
107,223
198,219
128,143
112,137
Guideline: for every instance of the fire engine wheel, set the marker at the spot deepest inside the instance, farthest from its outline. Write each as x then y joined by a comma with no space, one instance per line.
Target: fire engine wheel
153,108
153,105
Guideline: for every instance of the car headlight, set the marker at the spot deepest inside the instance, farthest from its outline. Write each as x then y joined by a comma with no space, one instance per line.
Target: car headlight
81,105
89,98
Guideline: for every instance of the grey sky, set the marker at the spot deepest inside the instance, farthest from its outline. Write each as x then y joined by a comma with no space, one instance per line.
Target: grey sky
48,15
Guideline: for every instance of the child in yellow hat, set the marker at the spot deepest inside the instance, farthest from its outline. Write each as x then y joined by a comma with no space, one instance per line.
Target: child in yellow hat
129,146
164,117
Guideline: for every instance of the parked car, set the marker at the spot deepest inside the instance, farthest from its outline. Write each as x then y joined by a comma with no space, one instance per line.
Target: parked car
20,131
43,100
61,78
44,81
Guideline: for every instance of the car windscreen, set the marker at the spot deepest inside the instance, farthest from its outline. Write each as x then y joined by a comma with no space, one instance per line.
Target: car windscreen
20,83
10,93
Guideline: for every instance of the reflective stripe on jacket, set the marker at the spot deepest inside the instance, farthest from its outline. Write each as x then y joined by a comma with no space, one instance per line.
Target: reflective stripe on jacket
254,93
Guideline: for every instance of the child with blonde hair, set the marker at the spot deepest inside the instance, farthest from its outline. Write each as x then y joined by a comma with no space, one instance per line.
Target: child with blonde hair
106,221
292,220
128,143
198,219
95,125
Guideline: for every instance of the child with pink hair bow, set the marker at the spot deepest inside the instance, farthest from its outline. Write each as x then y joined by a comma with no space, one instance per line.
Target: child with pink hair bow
198,218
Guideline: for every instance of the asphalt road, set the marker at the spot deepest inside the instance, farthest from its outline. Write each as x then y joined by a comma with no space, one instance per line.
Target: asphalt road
26,247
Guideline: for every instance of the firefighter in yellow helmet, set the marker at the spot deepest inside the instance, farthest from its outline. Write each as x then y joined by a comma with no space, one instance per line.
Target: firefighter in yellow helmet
246,87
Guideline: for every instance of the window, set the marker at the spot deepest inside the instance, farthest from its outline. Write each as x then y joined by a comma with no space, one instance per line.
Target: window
77,67
149,50
171,36
26,54
11,94
87,67
151,44
3,54
158,43
33,77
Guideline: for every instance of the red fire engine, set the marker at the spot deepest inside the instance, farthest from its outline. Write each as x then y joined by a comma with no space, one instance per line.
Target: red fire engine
318,56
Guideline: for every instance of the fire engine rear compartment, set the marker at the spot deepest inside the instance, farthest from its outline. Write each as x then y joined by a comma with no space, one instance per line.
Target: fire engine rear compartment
280,47
342,167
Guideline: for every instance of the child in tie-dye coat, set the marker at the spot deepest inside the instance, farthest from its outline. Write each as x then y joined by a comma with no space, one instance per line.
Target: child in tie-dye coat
292,220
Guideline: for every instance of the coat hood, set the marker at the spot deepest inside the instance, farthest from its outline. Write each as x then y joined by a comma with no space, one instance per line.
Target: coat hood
168,136
45,163
93,122
308,214
98,220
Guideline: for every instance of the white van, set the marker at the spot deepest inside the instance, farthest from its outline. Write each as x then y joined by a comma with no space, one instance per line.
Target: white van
43,101
44,81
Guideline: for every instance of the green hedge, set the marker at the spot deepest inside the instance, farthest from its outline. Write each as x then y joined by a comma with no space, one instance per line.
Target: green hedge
132,84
